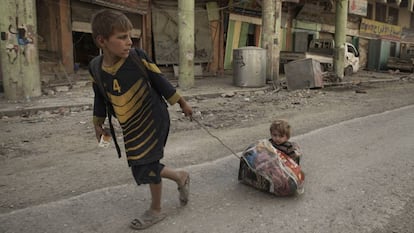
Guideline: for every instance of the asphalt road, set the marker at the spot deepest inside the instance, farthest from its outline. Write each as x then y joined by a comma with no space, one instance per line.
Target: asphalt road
359,178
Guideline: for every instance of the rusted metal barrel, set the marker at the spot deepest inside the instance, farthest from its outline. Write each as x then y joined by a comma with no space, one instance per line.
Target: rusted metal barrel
249,67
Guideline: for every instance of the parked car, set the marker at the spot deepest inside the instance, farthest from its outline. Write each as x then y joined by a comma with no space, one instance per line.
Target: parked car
322,50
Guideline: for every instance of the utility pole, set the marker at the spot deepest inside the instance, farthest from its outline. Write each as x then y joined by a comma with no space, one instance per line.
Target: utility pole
271,20
186,43
19,56
340,37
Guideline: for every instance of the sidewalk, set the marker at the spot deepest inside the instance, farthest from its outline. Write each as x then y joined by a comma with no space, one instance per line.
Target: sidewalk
81,95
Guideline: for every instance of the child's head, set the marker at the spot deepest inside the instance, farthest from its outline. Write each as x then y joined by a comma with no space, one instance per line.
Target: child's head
106,22
280,131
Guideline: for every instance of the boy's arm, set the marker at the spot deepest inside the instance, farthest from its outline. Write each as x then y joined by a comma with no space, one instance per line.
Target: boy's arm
99,112
162,85
158,81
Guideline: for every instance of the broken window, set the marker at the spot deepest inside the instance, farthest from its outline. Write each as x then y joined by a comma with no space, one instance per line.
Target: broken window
392,16
352,50
369,11
380,12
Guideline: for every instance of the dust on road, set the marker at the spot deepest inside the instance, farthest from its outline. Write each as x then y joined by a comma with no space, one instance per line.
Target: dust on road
53,155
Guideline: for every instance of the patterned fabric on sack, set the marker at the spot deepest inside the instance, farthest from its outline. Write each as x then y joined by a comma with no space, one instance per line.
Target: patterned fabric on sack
267,168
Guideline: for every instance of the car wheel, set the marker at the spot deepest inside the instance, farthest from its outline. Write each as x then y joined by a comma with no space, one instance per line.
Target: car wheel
348,71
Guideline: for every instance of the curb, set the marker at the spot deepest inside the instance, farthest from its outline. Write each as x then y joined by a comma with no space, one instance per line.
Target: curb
27,111
33,110
220,94
362,82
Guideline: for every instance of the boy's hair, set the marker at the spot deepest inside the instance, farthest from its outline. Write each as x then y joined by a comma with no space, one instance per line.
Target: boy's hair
280,126
106,21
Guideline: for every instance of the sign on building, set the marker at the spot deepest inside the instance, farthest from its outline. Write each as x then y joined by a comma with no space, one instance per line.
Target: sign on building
358,7
377,29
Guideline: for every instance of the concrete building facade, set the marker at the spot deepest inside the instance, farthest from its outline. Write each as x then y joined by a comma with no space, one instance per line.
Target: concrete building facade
64,41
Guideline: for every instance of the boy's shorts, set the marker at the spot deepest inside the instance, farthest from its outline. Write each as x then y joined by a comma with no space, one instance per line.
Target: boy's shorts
147,173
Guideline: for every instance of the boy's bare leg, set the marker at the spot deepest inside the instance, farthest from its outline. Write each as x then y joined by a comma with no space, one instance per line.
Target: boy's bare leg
156,197
178,176
154,214
156,189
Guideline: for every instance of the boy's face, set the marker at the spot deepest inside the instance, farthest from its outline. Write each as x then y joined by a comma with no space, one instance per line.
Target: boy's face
278,138
117,45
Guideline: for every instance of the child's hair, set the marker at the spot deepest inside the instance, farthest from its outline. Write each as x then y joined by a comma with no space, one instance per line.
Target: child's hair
106,21
280,126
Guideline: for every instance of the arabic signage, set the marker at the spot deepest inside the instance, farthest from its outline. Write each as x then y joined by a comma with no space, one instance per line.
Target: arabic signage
358,7
380,30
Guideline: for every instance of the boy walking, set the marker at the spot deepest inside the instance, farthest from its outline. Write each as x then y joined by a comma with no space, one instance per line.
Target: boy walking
129,86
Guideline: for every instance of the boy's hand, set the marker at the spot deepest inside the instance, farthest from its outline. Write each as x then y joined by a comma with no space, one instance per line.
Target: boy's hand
187,110
99,131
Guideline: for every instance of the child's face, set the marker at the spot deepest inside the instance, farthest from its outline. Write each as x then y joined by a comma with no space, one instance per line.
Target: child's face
117,45
278,138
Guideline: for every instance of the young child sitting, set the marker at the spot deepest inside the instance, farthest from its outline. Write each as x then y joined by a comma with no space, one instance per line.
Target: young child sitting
280,131
273,164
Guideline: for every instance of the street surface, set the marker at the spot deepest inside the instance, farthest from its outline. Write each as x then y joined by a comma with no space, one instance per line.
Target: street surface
359,177
55,178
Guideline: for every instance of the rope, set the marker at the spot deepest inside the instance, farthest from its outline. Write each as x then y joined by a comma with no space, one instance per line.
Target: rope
214,136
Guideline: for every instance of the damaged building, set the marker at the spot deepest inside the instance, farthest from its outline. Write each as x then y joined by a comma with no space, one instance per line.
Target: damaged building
380,29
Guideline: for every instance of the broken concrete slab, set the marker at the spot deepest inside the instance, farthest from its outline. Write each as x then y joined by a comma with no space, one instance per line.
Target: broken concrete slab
303,74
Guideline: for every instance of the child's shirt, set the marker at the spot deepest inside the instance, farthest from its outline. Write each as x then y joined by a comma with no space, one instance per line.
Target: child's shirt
291,149
138,104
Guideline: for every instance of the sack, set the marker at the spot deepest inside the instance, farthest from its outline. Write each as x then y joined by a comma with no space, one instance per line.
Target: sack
266,168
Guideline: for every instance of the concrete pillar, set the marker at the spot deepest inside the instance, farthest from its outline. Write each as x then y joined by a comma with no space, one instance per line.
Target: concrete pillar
276,41
19,51
340,37
271,20
186,43
214,20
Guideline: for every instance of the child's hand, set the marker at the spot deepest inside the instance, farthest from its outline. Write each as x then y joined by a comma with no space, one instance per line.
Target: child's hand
187,110
99,131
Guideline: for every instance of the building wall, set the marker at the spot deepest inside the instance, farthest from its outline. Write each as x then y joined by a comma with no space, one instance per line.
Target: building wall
46,24
312,14
55,36
64,26
404,18
82,11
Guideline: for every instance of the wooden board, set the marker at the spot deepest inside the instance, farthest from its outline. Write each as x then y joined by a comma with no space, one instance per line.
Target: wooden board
243,34
229,45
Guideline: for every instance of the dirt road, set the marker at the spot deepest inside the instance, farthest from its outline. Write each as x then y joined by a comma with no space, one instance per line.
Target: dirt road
52,156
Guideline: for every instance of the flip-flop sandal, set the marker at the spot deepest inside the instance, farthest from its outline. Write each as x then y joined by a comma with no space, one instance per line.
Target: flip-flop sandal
184,191
146,220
